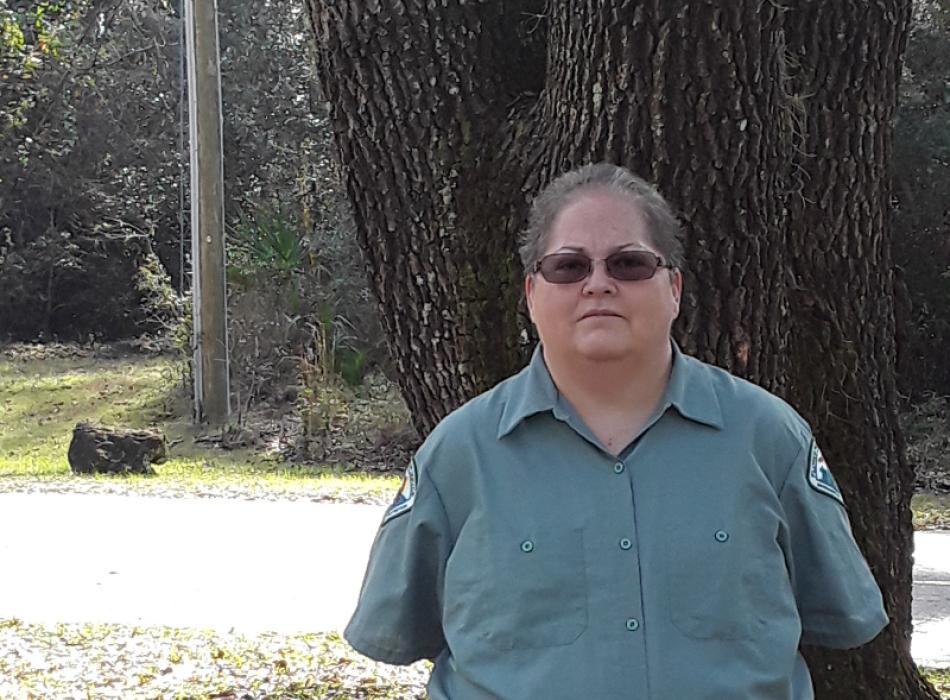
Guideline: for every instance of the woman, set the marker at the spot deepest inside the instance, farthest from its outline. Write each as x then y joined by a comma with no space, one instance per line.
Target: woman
617,519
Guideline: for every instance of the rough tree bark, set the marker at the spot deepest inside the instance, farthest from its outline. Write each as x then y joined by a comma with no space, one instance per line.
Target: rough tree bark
686,95
421,94
450,115
846,61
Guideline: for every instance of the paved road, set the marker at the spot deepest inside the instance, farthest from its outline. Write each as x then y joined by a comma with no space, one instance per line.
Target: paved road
930,644
250,565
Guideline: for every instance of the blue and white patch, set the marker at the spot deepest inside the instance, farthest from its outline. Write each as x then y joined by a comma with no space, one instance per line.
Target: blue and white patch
407,494
819,475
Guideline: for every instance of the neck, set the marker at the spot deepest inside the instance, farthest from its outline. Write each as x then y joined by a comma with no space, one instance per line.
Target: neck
632,385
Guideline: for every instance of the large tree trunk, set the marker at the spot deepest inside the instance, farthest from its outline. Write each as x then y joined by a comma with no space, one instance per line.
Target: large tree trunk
449,116
420,95
688,95
846,59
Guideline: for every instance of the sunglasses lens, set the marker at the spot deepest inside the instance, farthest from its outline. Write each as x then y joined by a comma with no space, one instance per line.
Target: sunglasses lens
564,268
627,265
632,265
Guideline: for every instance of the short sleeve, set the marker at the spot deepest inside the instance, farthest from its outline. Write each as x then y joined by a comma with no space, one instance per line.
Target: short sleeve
398,618
839,602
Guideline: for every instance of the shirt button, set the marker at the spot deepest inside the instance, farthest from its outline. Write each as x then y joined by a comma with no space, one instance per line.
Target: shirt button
625,543
721,535
633,624
527,546
618,468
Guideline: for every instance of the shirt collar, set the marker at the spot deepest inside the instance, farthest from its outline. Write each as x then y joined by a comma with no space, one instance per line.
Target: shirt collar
531,391
690,392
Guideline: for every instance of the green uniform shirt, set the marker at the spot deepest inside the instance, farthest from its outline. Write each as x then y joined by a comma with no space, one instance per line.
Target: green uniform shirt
529,562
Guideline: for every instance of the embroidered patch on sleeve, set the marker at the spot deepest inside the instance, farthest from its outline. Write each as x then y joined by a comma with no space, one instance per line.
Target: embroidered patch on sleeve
819,475
406,496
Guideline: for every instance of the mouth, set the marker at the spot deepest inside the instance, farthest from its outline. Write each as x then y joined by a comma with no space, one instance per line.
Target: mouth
600,313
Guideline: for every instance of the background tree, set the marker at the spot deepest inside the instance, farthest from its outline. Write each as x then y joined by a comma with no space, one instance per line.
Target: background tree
94,218
87,121
760,128
92,146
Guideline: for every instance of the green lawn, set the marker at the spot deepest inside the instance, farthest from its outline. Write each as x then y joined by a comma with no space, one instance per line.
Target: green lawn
42,398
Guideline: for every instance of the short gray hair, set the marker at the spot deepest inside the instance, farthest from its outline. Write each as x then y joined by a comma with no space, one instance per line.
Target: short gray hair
662,224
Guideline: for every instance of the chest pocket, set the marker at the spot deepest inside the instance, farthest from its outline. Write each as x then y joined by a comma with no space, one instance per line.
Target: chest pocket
715,586
533,593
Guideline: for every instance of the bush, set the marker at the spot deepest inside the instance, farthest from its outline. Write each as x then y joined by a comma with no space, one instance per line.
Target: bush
286,305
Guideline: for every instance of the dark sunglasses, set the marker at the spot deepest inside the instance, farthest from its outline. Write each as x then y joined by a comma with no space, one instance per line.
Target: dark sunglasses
624,265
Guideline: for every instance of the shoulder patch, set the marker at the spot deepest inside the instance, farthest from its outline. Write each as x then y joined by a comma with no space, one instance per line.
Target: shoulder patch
819,475
407,493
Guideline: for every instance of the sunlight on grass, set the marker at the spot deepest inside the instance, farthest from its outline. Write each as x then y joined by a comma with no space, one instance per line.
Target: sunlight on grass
41,400
931,511
939,678
270,474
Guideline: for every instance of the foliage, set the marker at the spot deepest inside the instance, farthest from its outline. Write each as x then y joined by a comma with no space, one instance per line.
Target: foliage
926,427
88,168
92,157
922,181
297,274
352,366
323,406
268,242
323,401
163,309
285,328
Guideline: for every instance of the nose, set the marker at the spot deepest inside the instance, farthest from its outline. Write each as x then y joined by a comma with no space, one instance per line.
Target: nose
599,282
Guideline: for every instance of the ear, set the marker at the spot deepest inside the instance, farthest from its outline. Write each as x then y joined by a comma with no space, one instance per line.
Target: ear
529,295
676,288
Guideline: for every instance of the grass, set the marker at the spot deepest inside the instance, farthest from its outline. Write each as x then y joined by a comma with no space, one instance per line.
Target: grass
43,397
931,511
939,678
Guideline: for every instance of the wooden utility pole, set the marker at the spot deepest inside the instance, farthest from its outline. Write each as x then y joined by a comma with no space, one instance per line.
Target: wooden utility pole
212,391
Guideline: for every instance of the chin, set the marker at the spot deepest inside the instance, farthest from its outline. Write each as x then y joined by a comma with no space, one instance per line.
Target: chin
604,349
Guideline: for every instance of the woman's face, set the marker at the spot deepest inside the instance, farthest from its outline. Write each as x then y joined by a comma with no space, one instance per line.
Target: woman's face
601,318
